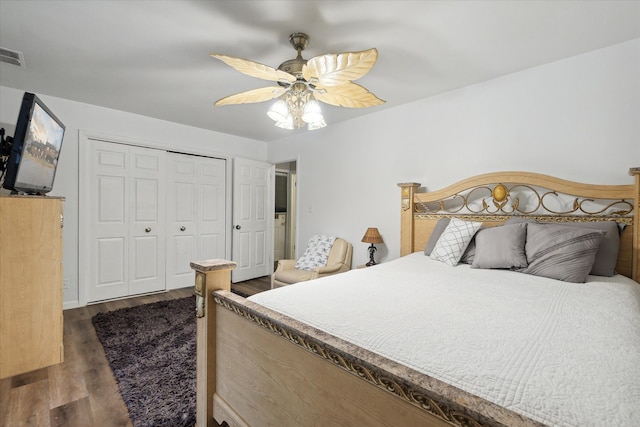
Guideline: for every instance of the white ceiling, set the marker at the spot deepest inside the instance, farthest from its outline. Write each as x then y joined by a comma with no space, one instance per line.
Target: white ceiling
152,57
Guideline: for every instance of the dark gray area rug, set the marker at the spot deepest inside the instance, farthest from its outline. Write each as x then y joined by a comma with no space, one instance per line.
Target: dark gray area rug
152,352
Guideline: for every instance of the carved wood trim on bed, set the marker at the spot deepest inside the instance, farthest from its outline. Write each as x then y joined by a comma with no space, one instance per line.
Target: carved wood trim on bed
210,275
495,197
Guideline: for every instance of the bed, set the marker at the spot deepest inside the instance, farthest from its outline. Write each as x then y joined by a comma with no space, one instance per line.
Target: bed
475,343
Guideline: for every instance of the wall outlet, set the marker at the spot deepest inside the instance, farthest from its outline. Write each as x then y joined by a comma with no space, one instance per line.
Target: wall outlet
65,284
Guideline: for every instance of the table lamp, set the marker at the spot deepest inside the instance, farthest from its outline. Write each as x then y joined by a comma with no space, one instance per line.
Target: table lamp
372,236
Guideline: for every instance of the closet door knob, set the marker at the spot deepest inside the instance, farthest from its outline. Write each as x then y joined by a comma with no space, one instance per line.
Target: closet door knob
148,229
238,227
182,228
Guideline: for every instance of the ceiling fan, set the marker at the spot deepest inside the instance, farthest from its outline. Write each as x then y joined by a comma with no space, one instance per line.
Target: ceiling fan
301,83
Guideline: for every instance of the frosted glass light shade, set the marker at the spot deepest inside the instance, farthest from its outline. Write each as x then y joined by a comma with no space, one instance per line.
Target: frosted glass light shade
312,112
317,125
287,123
279,111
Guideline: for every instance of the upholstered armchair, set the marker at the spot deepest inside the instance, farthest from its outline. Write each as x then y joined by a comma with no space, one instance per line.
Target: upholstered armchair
338,261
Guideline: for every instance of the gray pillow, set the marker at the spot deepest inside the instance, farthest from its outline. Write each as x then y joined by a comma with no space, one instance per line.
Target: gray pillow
501,247
470,253
435,235
607,255
561,252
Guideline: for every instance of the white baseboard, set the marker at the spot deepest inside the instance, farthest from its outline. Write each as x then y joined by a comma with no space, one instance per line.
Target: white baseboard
66,305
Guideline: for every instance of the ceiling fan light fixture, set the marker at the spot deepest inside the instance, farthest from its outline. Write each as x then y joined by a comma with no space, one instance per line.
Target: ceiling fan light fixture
302,83
297,108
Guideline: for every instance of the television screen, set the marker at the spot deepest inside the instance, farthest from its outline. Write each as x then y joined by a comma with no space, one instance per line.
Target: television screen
36,147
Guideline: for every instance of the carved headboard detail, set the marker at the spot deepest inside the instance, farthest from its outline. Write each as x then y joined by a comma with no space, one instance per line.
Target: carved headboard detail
495,197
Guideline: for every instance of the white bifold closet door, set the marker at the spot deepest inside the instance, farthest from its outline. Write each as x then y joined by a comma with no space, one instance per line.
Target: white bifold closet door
150,213
196,188
126,221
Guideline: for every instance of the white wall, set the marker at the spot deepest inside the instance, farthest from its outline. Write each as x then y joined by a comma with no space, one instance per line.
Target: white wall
126,126
578,119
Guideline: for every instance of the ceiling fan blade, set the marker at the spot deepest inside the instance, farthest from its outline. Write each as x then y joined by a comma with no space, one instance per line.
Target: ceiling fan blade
251,96
255,69
348,95
336,69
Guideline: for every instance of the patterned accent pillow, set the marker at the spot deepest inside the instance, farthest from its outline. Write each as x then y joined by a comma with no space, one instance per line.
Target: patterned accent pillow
454,240
561,252
317,252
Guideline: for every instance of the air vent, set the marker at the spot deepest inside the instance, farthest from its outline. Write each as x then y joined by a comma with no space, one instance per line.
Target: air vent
12,57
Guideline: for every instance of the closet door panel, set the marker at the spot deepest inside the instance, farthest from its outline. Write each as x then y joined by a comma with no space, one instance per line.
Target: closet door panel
126,229
113,272
108,228
181,219
195,214
208,237
184,228
147,225
145,266
211,208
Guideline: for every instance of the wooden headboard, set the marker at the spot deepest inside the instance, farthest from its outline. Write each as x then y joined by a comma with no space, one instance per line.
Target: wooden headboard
495,197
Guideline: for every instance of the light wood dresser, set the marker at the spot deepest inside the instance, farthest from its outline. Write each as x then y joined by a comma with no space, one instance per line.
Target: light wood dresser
30,283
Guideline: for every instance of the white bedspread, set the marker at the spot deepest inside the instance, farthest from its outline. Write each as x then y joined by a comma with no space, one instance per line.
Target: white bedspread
560,353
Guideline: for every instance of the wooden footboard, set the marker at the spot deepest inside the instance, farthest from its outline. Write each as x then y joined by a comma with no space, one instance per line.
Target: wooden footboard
262,379
257,367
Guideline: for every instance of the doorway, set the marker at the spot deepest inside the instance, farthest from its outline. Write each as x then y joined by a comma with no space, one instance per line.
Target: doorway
284,236
252,244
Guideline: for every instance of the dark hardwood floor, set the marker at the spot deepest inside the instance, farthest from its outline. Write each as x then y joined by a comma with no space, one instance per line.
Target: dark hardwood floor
82,391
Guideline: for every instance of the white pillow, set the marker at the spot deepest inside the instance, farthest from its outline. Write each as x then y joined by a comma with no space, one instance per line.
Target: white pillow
454,240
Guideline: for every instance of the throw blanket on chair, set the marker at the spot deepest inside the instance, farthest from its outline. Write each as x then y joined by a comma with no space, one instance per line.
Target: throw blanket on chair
317,252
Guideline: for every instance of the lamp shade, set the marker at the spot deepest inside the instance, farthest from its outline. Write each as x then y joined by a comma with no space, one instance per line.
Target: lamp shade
317,125
312,112
287,123
372,235
279,111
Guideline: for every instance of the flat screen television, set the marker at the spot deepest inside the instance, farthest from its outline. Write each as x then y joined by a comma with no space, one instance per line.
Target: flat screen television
33,161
